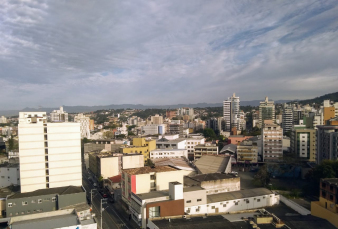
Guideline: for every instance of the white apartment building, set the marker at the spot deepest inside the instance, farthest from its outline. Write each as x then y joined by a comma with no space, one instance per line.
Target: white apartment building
153,129
227,114
50,153
231,112
192,142
272,141
168,153
9,175
59,116
3,119
164,143
122,130
84,125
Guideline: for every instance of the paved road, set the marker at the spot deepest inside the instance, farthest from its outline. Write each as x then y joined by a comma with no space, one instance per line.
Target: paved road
113,217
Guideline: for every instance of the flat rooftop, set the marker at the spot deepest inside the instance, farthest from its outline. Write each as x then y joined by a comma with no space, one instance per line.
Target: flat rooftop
192,188
212,176
147,169
238,195
49,191
155,194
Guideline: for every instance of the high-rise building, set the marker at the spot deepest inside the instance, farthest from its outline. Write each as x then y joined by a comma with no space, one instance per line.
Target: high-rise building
303,143
328,111
84,124
287,121
327,147
266,111
59,116
227,114
298,116
3,119
231,112
272,141
50,153
157,119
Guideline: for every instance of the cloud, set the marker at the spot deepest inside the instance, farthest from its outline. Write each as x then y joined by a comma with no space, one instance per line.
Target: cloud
165,52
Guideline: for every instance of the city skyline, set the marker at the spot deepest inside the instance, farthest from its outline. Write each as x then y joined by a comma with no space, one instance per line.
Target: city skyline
55,53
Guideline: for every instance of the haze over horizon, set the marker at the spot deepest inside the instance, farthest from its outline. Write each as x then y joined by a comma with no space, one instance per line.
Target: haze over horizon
165,52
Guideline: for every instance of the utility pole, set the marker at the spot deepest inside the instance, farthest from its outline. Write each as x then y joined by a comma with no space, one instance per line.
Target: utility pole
102,209
91,198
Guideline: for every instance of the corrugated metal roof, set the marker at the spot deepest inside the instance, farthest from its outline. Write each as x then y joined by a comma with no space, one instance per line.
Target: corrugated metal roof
212,164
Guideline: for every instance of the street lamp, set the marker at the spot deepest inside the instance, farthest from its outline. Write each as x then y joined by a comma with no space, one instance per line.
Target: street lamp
102,209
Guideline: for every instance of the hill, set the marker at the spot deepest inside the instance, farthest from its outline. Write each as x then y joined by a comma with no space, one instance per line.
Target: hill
319,100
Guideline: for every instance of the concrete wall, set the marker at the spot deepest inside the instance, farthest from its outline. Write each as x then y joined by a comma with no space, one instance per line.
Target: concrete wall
71,199
9,176
163,178
142,183
230,205
109,167
193,196
135,161
224,185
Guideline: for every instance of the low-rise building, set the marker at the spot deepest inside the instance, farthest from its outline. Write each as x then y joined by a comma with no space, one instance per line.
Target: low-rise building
214,182
147,179
213,164
140,145
247,152
44,200
107,164
326,207
205,149
153,129
168,153
164,143
327,138
179,163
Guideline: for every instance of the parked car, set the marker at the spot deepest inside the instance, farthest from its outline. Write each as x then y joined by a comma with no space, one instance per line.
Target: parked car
95,185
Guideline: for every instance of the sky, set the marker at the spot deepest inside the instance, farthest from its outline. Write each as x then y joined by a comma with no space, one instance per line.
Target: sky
159,52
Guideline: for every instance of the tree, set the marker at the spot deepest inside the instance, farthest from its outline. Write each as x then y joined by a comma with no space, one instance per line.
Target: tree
131,127
108,135
262,178
11,143
209,133
130,133
149,163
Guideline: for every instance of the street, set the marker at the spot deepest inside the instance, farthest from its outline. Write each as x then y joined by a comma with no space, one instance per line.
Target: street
112,217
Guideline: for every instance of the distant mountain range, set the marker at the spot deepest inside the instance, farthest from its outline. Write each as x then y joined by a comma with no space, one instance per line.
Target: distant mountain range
79,109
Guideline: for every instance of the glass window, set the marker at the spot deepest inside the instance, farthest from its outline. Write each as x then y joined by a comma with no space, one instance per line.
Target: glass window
198,200
188,201
154,212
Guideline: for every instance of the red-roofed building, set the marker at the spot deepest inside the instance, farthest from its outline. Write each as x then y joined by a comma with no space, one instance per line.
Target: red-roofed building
113,183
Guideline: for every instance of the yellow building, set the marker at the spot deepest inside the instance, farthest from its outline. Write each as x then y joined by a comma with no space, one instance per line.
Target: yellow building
329,112
140,145
327,206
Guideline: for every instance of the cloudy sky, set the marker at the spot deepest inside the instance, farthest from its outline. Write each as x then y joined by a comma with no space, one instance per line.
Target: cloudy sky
87,52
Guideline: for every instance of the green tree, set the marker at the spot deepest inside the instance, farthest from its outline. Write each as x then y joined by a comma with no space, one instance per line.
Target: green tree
108,135
11,143
262,178
131,127
209,133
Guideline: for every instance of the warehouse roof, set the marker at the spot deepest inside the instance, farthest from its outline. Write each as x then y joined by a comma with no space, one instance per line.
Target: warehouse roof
238,195
147,169
212,164
49,191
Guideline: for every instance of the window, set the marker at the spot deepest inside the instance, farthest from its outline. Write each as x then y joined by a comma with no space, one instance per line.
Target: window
198,200
331,197
10,205
236,203
212,207
53,199
152,177
154,212
224,205
247,201
33,201
197,209
39,201
258,200
188,201
24,202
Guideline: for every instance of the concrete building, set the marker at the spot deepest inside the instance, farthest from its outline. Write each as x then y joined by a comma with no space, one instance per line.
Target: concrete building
77,217
191,142
59,115
91,125
50,153
3,119
157,119
123,130
303,143
147,206
186,111
236,139
44,200
9,175
298,116
247,152
266,111
326,207
205,149
230,201
164,143
272,141
84,125
140,145
168,153
214,182
148,179
111,164
287,121
231,112
153,129
327,138
179,163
